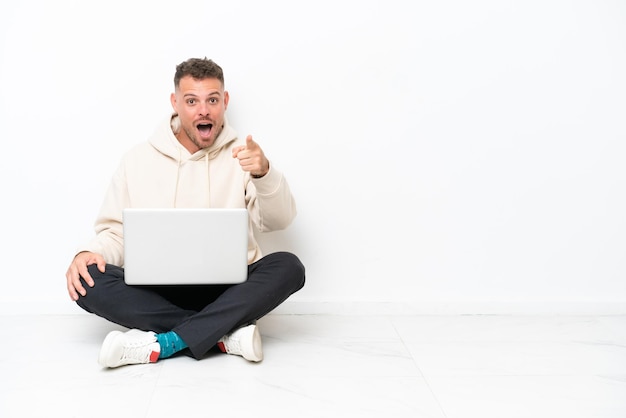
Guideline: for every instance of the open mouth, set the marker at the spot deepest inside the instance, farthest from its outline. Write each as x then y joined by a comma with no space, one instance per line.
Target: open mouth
205,129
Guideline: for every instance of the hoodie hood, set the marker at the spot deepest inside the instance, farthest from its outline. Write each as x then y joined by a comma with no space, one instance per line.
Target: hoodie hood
165,141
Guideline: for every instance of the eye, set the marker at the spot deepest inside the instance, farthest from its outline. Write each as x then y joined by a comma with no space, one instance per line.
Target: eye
213,100
191,101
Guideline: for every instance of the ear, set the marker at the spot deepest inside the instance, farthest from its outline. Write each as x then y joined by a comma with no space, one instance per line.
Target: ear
173,101
226,98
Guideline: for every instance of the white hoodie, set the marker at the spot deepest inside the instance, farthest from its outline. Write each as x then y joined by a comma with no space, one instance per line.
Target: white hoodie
161,173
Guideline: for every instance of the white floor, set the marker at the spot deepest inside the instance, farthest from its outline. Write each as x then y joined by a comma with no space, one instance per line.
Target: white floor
330,366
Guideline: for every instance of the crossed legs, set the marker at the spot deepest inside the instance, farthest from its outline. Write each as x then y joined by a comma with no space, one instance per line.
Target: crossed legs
200,315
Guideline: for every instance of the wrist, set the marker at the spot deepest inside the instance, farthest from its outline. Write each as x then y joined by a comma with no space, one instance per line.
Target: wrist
258,176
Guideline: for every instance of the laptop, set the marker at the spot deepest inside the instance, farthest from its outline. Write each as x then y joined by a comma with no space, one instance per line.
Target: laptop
185,246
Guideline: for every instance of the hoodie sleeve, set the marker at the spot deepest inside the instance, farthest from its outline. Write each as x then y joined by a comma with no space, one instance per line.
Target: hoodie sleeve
108,225
271,205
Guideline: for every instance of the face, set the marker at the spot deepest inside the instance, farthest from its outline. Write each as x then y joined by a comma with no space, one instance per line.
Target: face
200,105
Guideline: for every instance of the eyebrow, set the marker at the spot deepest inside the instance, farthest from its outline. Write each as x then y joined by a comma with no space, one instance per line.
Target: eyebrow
215,93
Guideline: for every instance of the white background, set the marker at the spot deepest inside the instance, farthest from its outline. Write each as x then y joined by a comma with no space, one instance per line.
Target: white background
450,156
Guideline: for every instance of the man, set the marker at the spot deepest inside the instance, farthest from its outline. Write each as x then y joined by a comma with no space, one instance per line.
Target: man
194,159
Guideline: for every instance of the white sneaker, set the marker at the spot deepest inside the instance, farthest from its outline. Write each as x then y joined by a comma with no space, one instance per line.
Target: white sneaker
245,342
131,347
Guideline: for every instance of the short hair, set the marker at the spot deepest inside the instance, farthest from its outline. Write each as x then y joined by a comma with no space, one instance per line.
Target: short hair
199,69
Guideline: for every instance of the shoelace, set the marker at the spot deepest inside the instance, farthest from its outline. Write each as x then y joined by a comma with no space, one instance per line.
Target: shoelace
137,352
233,345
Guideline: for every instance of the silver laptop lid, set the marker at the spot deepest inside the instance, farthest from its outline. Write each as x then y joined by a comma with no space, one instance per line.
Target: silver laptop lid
185,246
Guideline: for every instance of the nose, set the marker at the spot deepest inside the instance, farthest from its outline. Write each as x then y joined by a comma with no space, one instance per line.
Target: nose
203,109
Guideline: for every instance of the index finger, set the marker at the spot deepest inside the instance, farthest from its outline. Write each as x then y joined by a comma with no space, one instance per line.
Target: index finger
84,273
